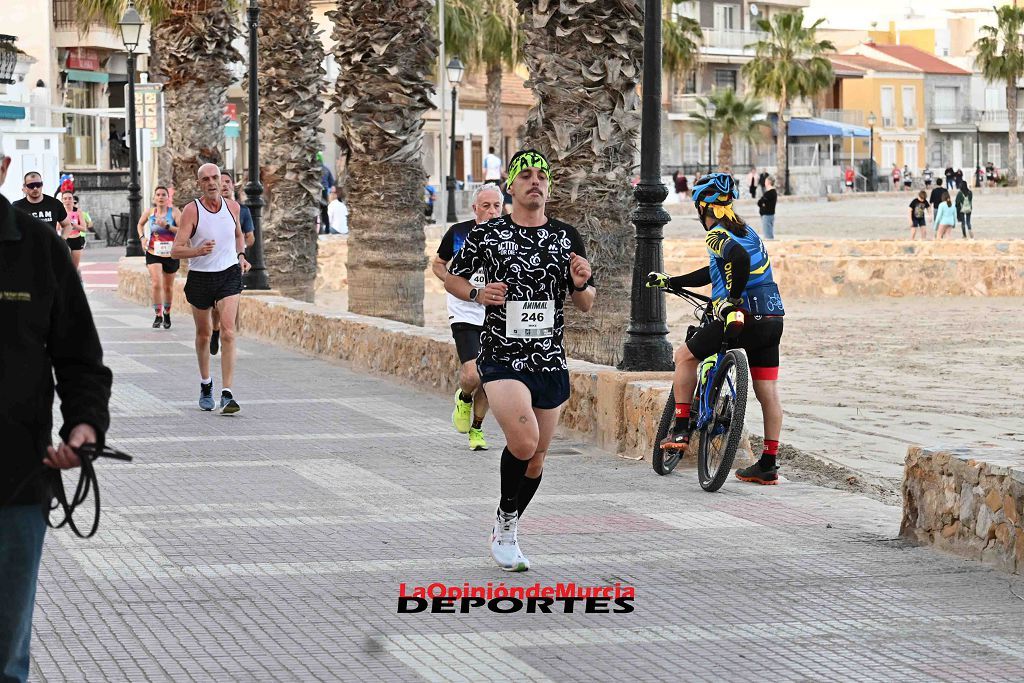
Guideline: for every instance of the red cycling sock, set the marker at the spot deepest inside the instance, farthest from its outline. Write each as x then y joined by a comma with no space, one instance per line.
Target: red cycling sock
771,447
683,410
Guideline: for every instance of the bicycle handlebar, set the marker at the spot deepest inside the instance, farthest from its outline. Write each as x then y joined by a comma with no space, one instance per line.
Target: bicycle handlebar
694,297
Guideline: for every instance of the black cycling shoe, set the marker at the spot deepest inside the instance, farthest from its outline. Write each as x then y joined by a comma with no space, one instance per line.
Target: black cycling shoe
214,342
167,321
158,321
758,474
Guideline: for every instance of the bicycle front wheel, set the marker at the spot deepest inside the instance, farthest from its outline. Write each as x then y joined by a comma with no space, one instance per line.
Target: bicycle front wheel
664,461
720,438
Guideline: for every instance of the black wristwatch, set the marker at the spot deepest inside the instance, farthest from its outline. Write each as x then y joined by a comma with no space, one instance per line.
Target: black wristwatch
473,293
580,289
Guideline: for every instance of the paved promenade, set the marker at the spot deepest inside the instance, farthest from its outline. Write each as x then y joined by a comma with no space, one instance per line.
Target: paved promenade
271,546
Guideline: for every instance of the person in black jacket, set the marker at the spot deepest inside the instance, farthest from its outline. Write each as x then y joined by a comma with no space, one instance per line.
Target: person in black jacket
46,332
766,207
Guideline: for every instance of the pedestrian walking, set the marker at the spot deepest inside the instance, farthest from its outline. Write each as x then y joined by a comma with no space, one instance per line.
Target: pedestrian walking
919,216
895,177
958,178
216,264
964,208
492,167
935,198
532,263
40,206
467,318
679,184
337,212
849,177
908,177
49,338
945,219
326,183
949,174
752,182
157,227
928,176
990,174
766,207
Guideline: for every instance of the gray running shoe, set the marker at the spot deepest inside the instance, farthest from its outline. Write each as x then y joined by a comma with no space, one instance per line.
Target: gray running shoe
228,405
206,396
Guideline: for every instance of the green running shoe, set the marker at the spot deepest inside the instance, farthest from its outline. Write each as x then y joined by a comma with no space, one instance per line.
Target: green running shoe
462,416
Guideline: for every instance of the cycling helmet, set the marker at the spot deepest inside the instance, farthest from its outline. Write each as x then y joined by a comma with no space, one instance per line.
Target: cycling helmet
715,192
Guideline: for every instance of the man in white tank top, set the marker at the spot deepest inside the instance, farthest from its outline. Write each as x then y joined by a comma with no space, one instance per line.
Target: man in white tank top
210,237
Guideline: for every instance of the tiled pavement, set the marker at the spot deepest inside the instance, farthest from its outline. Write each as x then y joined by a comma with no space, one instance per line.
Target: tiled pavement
271,546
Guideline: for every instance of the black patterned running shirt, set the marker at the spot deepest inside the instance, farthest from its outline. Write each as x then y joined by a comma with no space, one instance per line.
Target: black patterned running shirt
526,333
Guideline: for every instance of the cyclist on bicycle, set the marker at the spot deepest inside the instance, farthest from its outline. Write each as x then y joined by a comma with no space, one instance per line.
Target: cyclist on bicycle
746,301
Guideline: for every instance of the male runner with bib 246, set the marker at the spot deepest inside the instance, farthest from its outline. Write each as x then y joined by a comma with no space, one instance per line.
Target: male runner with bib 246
210,237
531,264
467,319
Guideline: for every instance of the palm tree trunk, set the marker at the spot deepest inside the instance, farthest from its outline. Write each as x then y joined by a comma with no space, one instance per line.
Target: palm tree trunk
386,54
584,62
781,160
1011,113
196,56
725,153
290,77
494,123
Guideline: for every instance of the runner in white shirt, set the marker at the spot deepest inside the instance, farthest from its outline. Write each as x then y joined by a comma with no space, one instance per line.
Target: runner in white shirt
467,320
492,167
210,237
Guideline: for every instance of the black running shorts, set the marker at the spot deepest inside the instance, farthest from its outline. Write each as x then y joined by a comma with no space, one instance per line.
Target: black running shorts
760,339
203,290
170,265
467,341
547,389
76,243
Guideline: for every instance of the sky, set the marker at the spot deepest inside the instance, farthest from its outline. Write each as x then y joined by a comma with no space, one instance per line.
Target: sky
858,14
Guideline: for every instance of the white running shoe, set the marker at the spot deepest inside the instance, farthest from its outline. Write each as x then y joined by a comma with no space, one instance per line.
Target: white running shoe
505,543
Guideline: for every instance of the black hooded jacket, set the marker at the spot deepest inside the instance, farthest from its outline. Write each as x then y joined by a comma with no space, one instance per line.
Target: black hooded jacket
46,333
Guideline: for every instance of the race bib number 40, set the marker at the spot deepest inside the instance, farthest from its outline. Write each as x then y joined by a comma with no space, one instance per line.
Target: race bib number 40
530,319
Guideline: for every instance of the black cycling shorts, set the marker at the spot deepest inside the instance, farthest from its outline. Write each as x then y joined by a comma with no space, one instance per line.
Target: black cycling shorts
547,389
760,339
203,290
76,243
170,265
467,341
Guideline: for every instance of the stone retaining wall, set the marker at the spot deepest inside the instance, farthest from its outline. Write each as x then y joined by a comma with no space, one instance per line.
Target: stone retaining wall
617,411
969,502
808,268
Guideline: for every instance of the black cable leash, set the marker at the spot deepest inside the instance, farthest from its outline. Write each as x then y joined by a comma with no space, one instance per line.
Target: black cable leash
87,482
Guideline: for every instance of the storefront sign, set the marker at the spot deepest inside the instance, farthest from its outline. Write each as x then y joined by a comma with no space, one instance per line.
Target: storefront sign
84,59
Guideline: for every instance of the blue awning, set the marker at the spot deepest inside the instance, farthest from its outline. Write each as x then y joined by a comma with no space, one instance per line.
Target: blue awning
11,112
817,128
88,76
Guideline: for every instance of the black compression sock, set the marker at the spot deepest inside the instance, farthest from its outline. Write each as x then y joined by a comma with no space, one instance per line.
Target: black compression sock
526,491
478,422
512,472
767,461
464,398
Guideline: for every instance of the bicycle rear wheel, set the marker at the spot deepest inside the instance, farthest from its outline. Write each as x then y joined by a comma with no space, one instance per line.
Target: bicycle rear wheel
721,436
665,461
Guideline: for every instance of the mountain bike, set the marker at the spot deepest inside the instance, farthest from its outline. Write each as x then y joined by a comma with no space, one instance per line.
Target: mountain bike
720,400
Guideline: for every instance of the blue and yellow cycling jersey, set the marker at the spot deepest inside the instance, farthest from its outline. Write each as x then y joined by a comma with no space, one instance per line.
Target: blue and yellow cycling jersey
761,295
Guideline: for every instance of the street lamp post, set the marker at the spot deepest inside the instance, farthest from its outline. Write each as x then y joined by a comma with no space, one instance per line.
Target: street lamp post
455,70
709,109
872,120
786,117
131,29
647,346
977,149
256,278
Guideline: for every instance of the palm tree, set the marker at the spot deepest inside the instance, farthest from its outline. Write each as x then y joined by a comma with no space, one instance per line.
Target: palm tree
680,46
386,53
789,63
1001,58
486,35
290,91
734,117
585,62
196,53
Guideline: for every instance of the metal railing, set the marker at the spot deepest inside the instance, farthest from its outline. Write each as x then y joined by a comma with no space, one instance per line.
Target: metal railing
64,14
683,103
1001,116
729,39
944,115
849,116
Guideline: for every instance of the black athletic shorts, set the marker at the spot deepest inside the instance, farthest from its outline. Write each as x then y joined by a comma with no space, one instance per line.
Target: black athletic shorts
203,290
760,339
170,265
76,243
467,340
547,389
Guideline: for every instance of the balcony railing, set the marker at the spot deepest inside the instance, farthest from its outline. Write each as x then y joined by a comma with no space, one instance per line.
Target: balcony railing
1001,117
683,103
727,39
957,115
848,116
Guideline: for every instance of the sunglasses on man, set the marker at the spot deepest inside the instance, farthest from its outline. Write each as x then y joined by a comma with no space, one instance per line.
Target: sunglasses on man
33,186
